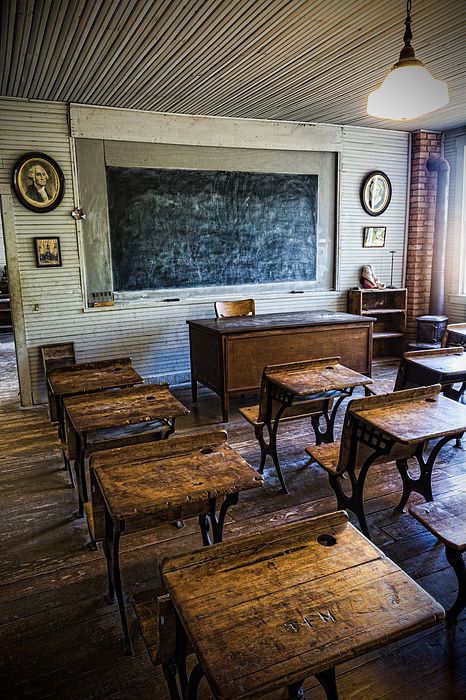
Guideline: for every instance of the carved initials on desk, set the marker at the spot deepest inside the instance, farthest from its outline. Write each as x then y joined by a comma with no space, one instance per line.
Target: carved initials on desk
327,616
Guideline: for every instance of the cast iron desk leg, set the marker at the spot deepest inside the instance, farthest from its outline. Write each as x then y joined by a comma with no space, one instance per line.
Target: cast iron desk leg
113,531
79,467
328,681
423,484
213,522
456,561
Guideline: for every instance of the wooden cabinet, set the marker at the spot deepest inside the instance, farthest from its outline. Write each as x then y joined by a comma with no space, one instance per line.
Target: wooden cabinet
388,306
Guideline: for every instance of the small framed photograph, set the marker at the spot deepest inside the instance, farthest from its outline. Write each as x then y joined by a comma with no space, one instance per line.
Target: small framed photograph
48,253
38,182
374,236
376,193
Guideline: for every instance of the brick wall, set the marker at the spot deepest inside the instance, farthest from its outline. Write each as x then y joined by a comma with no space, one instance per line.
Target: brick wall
422,198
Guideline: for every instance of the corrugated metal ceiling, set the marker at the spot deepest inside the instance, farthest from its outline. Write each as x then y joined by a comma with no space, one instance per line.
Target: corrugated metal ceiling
273,59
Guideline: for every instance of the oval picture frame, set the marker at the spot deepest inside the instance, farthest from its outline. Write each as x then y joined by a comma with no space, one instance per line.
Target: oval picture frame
376,192
38,182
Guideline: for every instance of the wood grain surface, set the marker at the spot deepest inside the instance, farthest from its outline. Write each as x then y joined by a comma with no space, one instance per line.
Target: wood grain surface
294,319
441,361
270,609
111,409
315,376
445,518
160,478
412,415
93,376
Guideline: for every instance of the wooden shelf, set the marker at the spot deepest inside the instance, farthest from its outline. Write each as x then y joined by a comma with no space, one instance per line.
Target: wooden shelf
377,312
378,335
388,308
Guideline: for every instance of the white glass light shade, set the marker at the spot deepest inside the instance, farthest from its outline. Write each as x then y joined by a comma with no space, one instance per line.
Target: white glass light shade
407,92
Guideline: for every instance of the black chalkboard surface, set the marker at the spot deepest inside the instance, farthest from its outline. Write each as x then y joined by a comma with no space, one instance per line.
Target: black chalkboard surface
194,228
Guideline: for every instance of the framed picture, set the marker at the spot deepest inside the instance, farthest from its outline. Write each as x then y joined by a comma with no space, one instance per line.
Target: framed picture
376,192
48,253
374,236
38,182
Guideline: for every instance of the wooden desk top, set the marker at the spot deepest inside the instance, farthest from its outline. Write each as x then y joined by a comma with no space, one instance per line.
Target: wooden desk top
92,376
114,409
269,609
418,419
289,319
317,376
450,365
159,477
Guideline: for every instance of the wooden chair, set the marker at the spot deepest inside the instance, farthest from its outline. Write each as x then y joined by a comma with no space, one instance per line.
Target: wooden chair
156,617
256,415
244,307
445,519
355,452
54,356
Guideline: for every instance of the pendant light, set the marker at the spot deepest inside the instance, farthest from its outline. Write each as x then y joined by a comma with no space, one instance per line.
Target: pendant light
409,90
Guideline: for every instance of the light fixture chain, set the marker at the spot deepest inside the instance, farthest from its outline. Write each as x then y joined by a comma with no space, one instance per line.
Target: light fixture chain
408,35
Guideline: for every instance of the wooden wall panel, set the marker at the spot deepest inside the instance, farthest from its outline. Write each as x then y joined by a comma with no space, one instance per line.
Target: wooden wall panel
155,333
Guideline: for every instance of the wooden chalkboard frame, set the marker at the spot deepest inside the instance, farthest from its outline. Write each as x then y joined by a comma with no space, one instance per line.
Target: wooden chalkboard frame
94,155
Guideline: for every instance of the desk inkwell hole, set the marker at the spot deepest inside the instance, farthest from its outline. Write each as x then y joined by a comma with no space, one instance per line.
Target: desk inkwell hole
117,369
431,400
326,540
150,398
206,450
330,367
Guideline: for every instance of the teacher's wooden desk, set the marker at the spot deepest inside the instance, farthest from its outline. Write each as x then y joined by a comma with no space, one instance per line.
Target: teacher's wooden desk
228,355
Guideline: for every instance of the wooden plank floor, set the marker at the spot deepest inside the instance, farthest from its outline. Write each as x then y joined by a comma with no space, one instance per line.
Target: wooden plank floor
58,638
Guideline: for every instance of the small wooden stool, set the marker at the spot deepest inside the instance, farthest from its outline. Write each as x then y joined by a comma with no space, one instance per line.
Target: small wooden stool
446,519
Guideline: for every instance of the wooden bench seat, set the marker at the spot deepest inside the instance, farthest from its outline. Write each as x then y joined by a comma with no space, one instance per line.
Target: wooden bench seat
156,616
445,518
326,455
299,409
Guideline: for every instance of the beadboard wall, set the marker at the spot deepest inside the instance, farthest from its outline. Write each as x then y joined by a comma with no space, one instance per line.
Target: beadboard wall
455,308
2,248
153,333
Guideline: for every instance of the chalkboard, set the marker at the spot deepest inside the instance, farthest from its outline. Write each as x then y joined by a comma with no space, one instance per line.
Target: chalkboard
174,228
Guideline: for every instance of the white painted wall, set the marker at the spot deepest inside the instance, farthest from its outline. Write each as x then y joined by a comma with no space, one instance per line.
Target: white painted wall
153,334
2,248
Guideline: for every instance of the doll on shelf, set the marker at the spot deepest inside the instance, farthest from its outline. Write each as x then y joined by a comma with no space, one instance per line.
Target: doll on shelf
369,279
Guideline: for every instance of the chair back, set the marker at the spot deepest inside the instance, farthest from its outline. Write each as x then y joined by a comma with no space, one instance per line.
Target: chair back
358,440
243,307
57,355
54,356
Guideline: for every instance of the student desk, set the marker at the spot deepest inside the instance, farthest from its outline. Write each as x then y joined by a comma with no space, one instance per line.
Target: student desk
324,380
266,611
228,355
142,486
96,416
407,422
87,378
446,367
